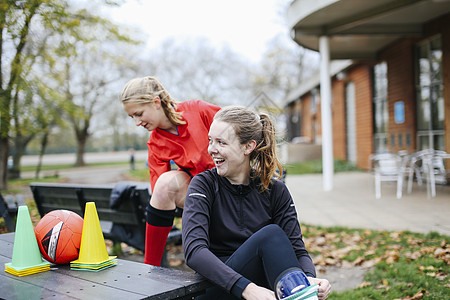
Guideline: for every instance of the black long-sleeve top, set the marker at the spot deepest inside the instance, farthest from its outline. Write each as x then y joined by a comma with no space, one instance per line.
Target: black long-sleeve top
218,217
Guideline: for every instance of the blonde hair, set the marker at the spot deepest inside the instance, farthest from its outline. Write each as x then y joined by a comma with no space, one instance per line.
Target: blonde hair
144,90
249,126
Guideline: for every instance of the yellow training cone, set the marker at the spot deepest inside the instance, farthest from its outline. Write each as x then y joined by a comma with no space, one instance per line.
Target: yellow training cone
93,247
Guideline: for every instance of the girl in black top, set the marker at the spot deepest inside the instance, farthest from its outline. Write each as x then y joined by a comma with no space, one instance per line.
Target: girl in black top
240,227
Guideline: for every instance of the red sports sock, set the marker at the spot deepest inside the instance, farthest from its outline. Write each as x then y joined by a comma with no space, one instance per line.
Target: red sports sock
155,242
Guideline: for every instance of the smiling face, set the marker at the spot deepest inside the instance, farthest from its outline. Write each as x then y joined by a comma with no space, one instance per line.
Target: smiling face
232,159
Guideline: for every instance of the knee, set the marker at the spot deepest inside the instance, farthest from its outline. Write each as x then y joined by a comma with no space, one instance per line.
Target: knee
170,187
168,182
271,233
272,229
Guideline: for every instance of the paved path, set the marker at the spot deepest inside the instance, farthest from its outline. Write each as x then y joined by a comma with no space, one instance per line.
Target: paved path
87,175
352,203
89,157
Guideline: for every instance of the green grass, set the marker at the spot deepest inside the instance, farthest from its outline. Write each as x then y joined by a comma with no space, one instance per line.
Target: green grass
404,263
140,174
16,186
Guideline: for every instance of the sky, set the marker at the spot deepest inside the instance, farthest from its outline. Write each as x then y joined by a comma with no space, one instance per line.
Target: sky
245,26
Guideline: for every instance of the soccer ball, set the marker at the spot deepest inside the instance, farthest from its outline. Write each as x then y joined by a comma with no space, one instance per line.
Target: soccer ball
58,234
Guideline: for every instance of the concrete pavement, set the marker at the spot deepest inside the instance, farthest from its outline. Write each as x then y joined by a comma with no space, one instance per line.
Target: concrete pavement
352,203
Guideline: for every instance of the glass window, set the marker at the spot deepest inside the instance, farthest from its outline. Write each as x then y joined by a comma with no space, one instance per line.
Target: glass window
314,97
430,100
380,107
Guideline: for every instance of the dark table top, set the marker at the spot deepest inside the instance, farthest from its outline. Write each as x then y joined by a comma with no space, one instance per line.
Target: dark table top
127,280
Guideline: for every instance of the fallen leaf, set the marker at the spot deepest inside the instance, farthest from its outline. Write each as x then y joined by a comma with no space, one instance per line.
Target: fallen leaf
441,252
429,268
382,286
395,235
359,261
441,276
418,295
414,255
370,252
369,264
320,241
427,250
364,284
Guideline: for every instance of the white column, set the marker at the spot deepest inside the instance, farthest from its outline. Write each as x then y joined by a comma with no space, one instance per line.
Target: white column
325,97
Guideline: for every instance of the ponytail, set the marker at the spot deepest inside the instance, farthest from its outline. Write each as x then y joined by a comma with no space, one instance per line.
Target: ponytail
264,157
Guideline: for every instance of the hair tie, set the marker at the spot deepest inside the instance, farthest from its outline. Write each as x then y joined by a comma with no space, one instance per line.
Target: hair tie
262,119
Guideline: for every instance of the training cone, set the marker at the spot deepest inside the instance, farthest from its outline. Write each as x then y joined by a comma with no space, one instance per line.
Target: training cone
93,250
26,258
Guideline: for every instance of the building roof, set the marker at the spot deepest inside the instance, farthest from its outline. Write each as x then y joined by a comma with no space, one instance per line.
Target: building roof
313,81
358,29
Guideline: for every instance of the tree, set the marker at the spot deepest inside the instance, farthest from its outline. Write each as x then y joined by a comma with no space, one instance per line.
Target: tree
31,109
89,72
283,68
15,21
18,19
192,68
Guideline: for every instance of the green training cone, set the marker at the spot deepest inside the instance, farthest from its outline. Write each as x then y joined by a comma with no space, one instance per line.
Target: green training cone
26,254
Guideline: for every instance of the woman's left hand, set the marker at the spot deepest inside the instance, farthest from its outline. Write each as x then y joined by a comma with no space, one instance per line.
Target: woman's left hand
324,287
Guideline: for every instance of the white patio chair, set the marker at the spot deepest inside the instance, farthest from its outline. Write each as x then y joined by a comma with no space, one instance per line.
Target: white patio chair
416,167
388,167
434,169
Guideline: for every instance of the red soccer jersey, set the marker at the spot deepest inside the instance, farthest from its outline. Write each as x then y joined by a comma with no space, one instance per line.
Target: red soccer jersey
189,148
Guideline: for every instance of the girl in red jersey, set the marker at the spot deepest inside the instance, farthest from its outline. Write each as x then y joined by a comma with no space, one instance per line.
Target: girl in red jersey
179,132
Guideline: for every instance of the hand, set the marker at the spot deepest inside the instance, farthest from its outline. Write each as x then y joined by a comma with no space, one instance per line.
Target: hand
253,291
324,287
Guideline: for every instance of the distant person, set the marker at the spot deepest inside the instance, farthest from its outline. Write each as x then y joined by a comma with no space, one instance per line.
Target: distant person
132,166
179,132
240,226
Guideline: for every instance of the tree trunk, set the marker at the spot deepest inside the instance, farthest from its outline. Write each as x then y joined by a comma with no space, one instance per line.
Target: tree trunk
41,154
80,151
4,147
20,143
14,172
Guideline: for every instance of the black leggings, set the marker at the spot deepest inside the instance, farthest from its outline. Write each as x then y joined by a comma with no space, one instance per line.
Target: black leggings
262,258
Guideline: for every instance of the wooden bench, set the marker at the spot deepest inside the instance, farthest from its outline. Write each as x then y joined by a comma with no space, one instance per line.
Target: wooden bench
129,218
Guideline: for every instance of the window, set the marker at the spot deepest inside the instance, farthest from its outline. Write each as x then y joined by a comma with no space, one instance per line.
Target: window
430,100
314,100
380,108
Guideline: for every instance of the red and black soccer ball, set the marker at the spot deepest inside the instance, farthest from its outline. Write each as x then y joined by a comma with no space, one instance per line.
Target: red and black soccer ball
58,234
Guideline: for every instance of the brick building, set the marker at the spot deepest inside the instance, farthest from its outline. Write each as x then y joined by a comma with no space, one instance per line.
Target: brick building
390,76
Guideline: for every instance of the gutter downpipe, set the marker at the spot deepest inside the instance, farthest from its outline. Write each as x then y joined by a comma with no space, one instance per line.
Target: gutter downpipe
327,132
